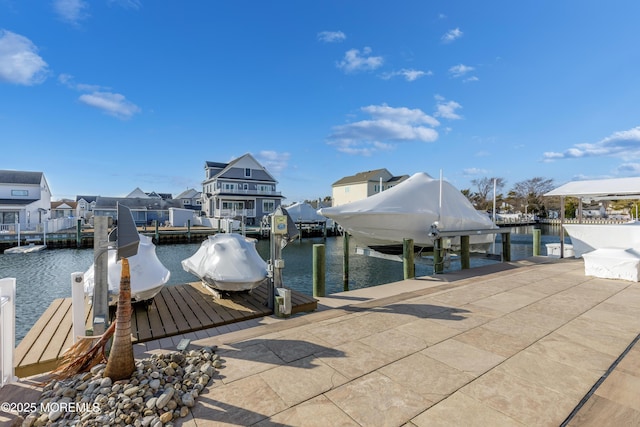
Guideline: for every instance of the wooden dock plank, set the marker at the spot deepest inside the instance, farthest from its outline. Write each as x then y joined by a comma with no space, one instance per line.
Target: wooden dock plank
176,310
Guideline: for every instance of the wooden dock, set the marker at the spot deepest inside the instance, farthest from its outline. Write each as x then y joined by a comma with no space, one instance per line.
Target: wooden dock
175,310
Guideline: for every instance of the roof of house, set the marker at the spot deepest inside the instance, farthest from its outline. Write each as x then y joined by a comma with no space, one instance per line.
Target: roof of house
59,204
189,193
226,166
372,175
88,199
20,177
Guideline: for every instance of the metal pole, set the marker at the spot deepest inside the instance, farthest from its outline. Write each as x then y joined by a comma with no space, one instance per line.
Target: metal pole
100,275
345,262
77,304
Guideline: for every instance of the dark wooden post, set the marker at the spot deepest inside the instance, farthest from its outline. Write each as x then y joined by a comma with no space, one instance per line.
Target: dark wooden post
318,270
408,260
465,257
345,262
438,262
506,247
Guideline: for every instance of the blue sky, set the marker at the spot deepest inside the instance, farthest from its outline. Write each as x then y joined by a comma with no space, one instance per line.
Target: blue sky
109,95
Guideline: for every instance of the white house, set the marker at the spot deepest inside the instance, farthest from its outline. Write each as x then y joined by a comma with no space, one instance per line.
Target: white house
25,198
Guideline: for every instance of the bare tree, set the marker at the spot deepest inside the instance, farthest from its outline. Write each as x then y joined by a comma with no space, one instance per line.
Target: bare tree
530,193
483,197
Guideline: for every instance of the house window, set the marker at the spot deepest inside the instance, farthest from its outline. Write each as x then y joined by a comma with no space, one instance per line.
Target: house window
265,188
268,206
19,192
247,172
346,189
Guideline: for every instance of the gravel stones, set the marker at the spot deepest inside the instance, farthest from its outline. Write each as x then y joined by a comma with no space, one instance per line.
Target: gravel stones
162,389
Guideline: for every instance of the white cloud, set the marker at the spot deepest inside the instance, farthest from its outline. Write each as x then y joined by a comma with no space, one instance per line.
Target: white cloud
622,144
273,161
127,4
471,79
474,171
68,81
460,70
629,169
447,109
71,11
113,104
355,61
19,60
331,36
387,126
408,74
452,35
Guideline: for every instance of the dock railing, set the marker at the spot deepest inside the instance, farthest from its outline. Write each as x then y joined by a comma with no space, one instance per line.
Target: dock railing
7,329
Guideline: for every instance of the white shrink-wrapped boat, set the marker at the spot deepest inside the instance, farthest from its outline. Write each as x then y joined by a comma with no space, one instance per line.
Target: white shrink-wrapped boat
148,274
228,262
420,208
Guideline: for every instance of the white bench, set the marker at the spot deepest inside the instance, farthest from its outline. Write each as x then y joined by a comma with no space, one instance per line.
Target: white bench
613,263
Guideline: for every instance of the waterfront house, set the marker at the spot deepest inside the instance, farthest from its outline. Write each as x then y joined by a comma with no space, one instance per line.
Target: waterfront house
190,199
145,207
362,185
84,206
63,209
25,198
241,189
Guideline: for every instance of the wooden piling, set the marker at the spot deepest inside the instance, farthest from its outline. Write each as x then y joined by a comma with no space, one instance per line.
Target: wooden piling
408,259
438,261
465,253
536,241
506,247
345,262
318,270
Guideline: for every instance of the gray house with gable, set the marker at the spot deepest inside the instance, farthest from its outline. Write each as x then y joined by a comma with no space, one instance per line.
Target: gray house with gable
241,189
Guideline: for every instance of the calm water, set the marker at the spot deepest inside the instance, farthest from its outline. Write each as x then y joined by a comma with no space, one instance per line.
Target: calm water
45,276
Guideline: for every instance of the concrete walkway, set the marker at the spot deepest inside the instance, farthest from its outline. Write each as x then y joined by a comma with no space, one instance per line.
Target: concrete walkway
533,343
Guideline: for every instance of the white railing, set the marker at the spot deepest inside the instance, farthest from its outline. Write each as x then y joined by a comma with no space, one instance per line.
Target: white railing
7,329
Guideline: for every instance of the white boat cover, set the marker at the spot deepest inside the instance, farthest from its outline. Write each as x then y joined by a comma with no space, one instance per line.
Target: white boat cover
613,263
148,274
304,212
408,211
228,262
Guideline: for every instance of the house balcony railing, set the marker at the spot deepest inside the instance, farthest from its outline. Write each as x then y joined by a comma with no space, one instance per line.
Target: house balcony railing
247,192
234,213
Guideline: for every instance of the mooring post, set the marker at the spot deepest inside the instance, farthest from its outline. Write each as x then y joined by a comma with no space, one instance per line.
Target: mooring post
189,230
506,247
536,241
318,270
408,260
438,262
157,232
79,233
345,262
465,257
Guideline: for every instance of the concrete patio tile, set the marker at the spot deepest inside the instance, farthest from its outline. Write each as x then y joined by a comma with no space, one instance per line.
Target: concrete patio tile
508,326
316,412
598,412
616,314
431,378
296,345
464,318
622,388
376,400
600,336
631,362
630,297
395,343
551,374
527,402
246,361
354,359
507,302
302,380
530,315
241,403
350,328
492,341
572,353
462,410
428,331
463,357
